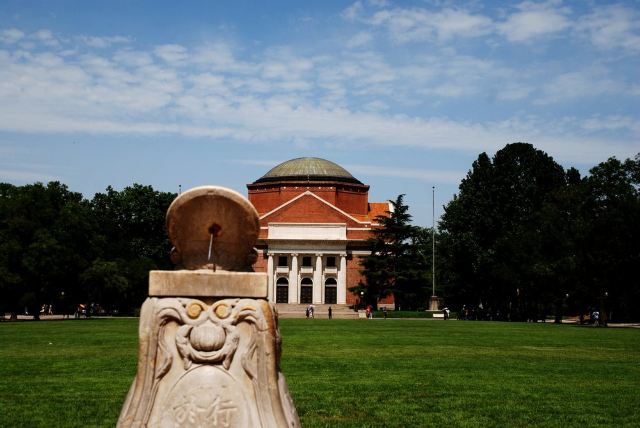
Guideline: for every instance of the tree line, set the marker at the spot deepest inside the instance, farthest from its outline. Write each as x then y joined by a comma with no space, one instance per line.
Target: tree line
58,248
522,240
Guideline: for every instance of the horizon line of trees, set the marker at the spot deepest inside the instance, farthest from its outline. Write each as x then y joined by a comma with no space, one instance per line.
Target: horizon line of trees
522,240
61,250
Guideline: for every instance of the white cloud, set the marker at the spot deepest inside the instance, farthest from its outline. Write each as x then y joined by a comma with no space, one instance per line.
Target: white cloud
220,56
612,123
612,27
11,35
46,37
26,174
429,175
103,42
352,12
579,84
214,92
513,91
530,21
449,75
375,105
133,58
360,39
378,3
172,53
459,23
407,25
533,21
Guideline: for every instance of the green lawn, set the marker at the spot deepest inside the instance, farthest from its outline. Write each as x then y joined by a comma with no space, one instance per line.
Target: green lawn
352,373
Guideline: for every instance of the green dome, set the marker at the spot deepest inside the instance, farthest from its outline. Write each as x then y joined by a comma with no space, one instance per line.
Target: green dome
308,169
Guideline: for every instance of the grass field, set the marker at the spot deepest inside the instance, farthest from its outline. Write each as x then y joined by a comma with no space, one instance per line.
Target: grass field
352,373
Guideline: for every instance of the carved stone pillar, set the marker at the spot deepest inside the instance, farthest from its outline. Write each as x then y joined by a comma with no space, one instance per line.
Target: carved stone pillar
342,280
208,361
209,346
317,280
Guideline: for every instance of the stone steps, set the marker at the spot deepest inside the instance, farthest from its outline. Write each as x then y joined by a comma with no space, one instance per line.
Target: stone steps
321,311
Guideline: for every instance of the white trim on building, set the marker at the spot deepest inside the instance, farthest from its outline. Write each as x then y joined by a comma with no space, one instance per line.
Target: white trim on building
321,257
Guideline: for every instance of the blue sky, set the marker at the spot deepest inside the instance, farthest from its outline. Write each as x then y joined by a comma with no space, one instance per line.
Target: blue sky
404,95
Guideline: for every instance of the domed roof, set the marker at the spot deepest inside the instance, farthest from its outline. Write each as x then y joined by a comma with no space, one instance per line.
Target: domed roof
308,169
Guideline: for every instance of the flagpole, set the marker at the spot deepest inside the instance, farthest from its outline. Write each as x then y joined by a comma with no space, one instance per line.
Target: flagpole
433,239
433,301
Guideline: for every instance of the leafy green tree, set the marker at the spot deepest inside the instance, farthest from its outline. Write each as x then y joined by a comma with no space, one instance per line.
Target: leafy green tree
558,242
612,241
10,280
421,268
106,282
57,248
47,240
132,222
491,225
391,267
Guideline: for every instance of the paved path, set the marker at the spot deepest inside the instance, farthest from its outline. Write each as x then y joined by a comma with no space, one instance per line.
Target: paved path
60,317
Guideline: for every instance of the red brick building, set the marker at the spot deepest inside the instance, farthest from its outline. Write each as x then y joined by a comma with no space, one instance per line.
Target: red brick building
315,218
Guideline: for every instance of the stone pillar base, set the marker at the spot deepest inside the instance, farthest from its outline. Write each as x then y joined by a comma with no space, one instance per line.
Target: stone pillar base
433,303
208,360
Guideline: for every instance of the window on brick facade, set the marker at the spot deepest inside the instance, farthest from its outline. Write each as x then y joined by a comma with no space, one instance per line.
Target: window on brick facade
283,261
331,261
306,261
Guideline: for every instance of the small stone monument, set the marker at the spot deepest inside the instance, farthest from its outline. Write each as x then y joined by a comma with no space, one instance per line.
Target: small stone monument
209,343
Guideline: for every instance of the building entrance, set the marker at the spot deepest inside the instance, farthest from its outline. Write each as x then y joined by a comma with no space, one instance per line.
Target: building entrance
330,295
306,294
282,294
330,291
282,291
306,291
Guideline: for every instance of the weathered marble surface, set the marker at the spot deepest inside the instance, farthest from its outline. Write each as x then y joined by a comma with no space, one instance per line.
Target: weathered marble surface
197,214
204,282
206,362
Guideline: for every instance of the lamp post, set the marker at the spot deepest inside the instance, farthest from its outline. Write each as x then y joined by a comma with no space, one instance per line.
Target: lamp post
362,298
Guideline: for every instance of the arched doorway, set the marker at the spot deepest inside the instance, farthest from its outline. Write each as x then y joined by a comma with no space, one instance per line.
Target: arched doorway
306,290
282,290
330,291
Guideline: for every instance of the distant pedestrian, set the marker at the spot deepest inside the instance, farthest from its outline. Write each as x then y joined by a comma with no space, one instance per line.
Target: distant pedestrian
306,312
330,313
384,312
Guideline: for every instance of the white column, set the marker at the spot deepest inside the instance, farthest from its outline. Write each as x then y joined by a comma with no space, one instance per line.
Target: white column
317,280
342,280
270,287
293,280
